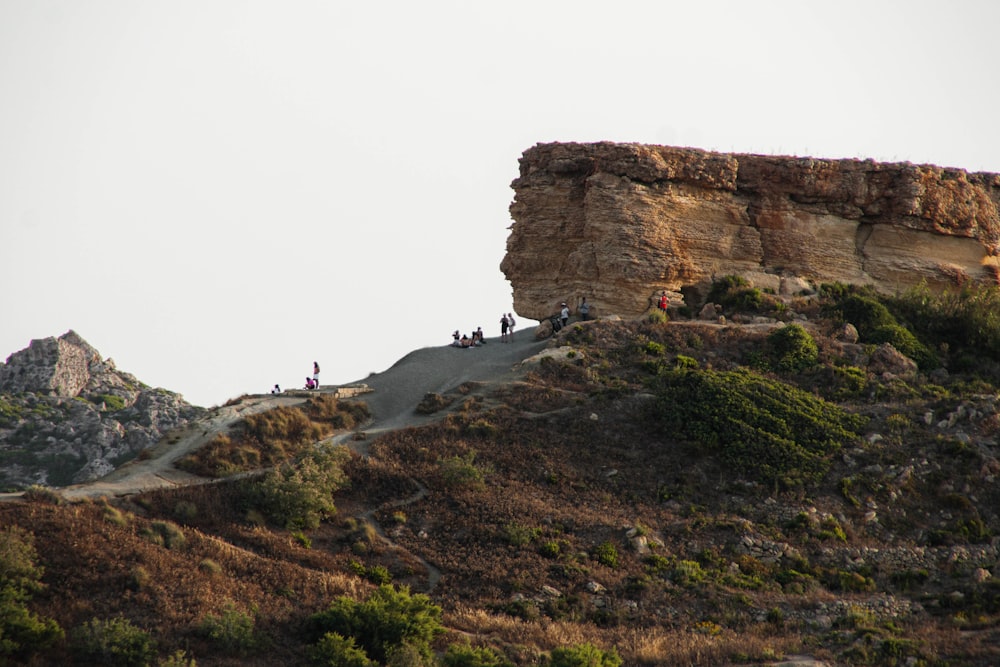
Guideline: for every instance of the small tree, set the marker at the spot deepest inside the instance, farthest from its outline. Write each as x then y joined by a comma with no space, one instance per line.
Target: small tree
114,642
385,622
21,632
300,495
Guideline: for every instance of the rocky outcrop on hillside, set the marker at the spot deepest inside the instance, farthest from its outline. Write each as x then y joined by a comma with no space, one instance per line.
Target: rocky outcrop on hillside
621,223
68,416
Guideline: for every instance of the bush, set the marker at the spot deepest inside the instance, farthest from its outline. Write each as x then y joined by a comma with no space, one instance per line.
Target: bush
21,631
866,313
335,650
113,642
461,471
762,428
111,402
904,341
792,348
387,621
300,495
465,655
606,554
583,655
967,320
232,631
178,659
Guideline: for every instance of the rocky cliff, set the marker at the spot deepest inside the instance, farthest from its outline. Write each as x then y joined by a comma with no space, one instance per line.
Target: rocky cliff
621,223
67,415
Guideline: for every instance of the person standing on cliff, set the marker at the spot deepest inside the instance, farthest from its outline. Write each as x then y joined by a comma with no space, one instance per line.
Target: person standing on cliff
664,301
584,310
510,327
315,375
504,325
564,314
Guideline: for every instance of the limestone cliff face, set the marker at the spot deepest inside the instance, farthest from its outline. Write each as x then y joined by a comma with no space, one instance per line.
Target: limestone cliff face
68,415
620,223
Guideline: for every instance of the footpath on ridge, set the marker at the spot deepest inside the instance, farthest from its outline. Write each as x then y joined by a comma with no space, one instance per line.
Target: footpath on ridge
392,397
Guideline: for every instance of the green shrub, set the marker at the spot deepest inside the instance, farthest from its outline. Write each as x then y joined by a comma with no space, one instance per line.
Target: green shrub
583,655
968,320
300,495
177,659
113,642
866,313
232,630
111,402
466,655
550,549
517,535
209,566
762,428
336,650
722,287
657,317
687,573
792,348
387,621
903,340
21,631
606,554
462,471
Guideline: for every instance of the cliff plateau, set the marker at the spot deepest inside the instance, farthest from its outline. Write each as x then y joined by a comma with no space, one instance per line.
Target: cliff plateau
621,223
69,416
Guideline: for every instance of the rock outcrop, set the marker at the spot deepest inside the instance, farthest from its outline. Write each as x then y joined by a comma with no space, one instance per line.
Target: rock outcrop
69,416
621,223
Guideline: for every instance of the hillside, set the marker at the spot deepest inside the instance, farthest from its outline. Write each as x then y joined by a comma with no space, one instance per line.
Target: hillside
773,479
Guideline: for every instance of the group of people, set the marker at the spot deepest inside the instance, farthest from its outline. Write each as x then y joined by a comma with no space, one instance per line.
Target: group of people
311,382
507,323
468,341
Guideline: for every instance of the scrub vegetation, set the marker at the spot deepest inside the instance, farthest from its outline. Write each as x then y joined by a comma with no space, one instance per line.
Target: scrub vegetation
675,492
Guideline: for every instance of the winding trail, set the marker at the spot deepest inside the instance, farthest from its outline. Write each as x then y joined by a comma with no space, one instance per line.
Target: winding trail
391,397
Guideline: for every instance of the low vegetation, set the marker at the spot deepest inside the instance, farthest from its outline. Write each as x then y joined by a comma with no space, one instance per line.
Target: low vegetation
662,493
273,437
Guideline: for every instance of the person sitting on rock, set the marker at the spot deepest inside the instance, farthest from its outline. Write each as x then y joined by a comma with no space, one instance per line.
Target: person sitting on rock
466,341
309,383
480,340
276,390
456,341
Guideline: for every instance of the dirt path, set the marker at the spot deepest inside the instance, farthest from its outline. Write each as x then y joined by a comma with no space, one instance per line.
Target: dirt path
394,395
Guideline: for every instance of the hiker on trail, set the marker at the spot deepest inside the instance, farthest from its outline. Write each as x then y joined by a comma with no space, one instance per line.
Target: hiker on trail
504,325
315,376
584,310
663,302
564,314
276,390
510,326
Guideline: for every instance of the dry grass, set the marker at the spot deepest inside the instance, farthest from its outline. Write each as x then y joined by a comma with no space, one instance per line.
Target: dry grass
563,478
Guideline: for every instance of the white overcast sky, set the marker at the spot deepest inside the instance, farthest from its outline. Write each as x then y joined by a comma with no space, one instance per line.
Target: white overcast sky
217,193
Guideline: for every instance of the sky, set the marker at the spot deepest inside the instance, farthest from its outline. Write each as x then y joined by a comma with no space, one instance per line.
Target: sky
217,193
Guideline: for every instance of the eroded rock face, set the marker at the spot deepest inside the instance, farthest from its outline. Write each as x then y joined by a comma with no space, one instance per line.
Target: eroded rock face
621,223
67,415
